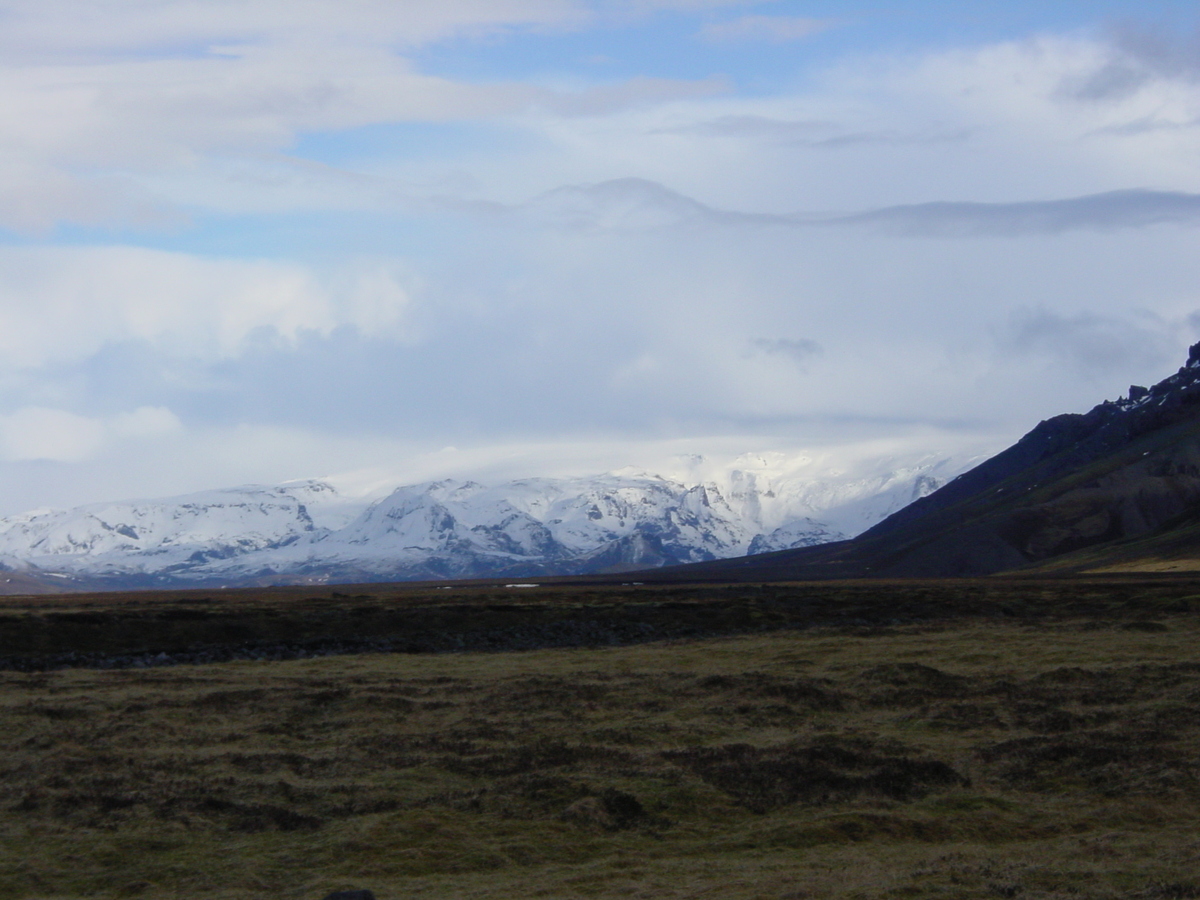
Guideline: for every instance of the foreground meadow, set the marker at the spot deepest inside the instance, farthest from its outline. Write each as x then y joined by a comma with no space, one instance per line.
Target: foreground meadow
970,758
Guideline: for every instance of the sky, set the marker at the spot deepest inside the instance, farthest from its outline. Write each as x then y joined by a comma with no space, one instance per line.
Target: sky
261,240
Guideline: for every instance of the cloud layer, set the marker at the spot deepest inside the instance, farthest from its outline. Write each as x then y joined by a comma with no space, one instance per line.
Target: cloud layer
378,229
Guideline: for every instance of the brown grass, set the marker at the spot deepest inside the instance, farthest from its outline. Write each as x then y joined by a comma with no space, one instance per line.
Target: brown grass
974,758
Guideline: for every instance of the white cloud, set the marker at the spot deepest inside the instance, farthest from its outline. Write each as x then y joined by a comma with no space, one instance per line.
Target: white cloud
51,434
374,301
986,124
145,422
69,125
61,305
104,112
679,299
34,433
202,458
156,123
636,92
80,28
1024,97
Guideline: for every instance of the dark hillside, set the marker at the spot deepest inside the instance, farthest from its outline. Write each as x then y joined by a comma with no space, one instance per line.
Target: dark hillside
1127,471
1070,443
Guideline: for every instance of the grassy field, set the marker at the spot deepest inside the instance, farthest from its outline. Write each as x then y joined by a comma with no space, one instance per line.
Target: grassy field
969,757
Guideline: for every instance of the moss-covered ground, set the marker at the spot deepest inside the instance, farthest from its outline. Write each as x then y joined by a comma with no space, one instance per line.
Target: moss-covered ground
974,757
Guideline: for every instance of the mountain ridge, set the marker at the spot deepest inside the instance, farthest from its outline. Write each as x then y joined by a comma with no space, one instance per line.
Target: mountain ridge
447,529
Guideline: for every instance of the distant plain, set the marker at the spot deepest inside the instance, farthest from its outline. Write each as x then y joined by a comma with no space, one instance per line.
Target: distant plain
988,738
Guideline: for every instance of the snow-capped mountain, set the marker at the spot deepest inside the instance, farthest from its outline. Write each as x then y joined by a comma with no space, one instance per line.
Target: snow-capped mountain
163,536
308,531
543,525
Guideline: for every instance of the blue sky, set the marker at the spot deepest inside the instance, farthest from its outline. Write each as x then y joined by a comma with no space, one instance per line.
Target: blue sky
671,42
257,241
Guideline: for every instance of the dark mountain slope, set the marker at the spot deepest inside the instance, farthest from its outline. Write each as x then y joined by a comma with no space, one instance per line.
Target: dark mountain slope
1124,476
